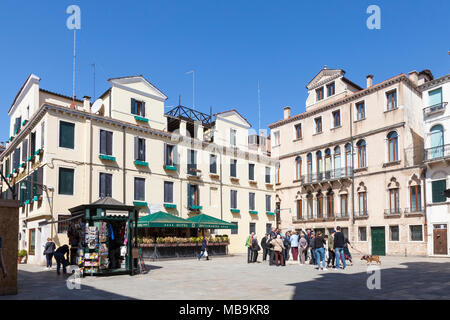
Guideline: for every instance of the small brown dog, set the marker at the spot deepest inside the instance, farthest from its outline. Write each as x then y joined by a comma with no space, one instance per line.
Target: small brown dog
370,259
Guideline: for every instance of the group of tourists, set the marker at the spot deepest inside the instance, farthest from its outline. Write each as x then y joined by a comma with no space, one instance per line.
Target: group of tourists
305,247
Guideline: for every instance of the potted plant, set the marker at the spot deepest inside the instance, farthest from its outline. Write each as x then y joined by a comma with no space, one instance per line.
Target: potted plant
22,256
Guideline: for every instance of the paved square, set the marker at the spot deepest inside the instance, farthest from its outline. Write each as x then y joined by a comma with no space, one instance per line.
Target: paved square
231,278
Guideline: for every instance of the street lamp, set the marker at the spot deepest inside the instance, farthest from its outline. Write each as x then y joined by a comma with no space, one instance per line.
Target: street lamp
13,188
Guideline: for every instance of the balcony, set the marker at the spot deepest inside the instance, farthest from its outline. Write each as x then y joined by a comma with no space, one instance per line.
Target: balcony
438,153
418,211
332,175
434,109
393,213
361,214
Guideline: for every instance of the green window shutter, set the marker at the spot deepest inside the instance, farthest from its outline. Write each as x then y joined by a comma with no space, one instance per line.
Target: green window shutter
437,189
66,135
66,181
133,106
435,97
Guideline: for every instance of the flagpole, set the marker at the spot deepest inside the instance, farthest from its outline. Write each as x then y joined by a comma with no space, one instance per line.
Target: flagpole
74,59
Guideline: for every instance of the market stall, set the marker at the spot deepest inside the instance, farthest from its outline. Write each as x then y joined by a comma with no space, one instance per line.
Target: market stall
103,238
162,235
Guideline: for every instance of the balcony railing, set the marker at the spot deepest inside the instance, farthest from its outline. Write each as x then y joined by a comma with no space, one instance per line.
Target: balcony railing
436,153
393,212
440,107
361,214
341,173
414,211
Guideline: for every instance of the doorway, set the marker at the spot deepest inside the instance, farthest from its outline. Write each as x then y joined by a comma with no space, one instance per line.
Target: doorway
378,241
440,239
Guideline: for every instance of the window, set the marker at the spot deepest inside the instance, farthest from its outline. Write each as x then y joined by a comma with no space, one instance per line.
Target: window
139,149
106,142
268,175
234,231
344,205
213,163
193,195
362,203
66,181
415,198
168,192
170,155
330,89
319,163
233,199
309,167
38,180
299,209
233,137
17,125
319,94
394,201
362,234
251,199
16,158
66,135
276,138
63,225
251,171
298,168
233,168
25,150
337,161
348,159
298,131
192,162
252,227
415,233
139,189
33,143
360,111
319,205
391,97
437,190
437,142
138,107
394,234
268,203
106,185
318,122
327,163
32,242
336,118
330,204
392,146
435,98
268,228
309,206
362,162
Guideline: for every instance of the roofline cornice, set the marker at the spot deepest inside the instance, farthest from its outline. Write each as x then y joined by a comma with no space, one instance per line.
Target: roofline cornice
434,83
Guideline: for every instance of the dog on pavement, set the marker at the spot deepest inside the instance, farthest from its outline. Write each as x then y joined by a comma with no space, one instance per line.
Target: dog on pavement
370,259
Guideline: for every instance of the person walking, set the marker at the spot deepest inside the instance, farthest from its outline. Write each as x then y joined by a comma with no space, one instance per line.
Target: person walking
339,243
255,248
320,252
331,254
264,246
278,247
49,250
303,245
204,249
347,254
294,246
60,257
248,244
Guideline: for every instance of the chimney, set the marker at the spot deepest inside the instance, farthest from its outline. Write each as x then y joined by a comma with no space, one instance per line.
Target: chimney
287,112
87,103
414,77
369,80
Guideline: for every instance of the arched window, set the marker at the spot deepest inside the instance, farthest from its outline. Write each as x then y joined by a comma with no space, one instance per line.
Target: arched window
362,161
392,146
319,164
437,142
319,205
394,197
309,166
309,207
348,159
298,168
330,204
337,161
327,163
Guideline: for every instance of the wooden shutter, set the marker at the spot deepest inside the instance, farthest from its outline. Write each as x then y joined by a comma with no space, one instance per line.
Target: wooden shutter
437,188
109,144
133,106
136,148
143,109
102,142
143,150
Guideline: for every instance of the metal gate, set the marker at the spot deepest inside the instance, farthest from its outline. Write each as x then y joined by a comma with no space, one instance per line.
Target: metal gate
378,241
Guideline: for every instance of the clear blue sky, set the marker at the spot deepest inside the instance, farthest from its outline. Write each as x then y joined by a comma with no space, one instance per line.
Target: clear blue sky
231,45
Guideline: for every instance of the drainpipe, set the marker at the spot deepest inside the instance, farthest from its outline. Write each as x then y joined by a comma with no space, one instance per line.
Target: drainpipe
124,166
221,186
90,159
353,168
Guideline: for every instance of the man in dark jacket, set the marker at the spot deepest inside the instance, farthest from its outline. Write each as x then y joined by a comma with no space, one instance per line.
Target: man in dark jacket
339,243
49,250
312,247
60,258
255,248
264,246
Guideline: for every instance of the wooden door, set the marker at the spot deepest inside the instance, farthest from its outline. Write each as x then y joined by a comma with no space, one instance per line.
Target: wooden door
440,239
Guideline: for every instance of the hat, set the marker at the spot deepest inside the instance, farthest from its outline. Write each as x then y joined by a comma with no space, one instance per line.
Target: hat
333,231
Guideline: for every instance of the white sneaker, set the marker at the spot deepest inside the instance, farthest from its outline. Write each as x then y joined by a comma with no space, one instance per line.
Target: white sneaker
325,269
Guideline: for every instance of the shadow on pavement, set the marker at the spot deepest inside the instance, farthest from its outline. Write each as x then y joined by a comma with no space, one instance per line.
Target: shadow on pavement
415,280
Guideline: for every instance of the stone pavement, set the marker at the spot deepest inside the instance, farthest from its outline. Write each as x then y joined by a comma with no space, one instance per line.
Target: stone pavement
231,278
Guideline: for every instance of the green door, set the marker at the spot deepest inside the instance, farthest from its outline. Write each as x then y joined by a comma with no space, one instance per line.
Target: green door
378,241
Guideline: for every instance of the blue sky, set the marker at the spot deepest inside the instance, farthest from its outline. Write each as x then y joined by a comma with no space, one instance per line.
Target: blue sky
231,45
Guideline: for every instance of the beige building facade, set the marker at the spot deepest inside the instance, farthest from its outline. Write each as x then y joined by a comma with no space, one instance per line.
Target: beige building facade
62,154
354,159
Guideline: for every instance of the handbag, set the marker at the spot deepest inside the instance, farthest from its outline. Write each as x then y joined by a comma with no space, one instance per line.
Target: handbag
206,253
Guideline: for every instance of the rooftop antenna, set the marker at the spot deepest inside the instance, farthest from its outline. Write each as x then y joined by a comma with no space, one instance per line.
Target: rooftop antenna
259,110
193,88
73,23
179,100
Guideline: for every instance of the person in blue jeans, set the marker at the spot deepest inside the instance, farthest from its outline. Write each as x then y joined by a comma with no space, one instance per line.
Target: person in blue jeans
204,249
339,243
60,257
320,251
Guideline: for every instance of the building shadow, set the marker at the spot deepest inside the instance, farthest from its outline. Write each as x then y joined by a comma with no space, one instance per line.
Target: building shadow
410,281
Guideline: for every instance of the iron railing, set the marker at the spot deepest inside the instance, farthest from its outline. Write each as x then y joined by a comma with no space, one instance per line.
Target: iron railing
417,210
439,152
440,107
361,214
335,174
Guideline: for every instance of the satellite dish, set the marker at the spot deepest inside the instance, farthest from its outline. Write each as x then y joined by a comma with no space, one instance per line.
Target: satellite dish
97,106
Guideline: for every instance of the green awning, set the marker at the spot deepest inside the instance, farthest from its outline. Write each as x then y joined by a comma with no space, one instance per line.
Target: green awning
207,222
164,220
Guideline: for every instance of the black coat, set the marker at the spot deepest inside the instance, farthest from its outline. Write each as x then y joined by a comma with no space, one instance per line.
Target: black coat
264,243
339,240
49,247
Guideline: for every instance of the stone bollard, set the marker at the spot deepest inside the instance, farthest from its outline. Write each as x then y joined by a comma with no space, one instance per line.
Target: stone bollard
9,231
